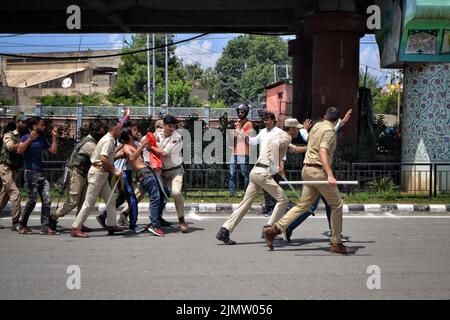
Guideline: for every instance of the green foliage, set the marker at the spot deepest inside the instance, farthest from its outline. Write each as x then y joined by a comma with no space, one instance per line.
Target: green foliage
387,103
384,186
132,75
59,99
246,65
218,104
6,102
193,72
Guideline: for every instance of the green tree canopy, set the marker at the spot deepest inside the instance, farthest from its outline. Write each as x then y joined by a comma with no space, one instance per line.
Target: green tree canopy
132,73
246,65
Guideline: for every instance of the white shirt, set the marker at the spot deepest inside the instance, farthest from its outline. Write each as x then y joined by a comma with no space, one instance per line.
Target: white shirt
304,133
263,136
172,145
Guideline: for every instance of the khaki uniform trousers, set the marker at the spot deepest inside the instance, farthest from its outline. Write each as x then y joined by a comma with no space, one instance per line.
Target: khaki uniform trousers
77,193
98,185
259,180
309,195
10,192
173,179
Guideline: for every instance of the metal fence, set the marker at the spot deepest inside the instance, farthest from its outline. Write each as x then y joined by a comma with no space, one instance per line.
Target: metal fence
403,179
179,112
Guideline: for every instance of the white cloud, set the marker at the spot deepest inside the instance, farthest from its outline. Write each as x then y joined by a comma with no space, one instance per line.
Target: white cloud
116,41
198,51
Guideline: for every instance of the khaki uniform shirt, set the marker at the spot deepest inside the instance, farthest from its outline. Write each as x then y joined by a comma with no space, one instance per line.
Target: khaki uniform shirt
87,148
322,135
105,147
273,152
10,138
173,146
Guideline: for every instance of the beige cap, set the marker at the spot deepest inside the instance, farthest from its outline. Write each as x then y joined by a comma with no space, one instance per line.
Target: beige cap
159,123
292,123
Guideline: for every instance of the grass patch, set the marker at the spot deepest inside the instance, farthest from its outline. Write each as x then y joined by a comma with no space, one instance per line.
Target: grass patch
223,196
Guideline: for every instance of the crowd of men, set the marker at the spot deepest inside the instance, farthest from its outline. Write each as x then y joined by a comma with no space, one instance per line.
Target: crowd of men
114,153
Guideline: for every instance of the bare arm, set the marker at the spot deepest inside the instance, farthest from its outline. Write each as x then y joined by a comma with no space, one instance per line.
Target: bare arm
297,149
325,159
107,166
134,154
54,147
24,145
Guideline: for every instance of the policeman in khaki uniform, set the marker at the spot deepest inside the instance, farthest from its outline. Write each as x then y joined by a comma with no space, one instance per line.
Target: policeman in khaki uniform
317,167
170,142
268,164
102,160
79,164
10,162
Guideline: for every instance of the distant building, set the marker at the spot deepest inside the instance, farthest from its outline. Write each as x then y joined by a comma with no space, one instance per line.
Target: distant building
279,97
21,79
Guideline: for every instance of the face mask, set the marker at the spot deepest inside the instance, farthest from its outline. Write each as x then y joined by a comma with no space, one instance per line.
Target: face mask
97,136
22,131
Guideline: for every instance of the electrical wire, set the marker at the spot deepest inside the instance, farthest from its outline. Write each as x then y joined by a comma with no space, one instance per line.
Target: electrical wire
104,55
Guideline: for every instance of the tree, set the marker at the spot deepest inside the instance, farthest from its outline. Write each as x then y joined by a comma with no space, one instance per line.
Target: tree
60,100
246,66
193,72
132,73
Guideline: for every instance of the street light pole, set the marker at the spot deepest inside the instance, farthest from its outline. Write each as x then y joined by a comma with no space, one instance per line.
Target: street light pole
167,73
148,78
154,70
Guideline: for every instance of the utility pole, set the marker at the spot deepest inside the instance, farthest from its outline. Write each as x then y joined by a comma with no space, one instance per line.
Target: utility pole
154,70
149,102
166,73
274,73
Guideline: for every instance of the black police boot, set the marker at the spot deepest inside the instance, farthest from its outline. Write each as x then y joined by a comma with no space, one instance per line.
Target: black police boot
224,236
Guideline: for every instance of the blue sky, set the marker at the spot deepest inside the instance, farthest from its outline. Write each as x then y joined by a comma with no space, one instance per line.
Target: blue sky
206,50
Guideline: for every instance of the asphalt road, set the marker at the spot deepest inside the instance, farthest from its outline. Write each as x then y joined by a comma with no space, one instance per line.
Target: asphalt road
412,253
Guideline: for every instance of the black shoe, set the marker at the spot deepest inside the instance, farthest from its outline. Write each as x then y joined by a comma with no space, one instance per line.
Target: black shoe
86,229
2,227
224,236
15,227
52,224
101,218
288,234
164,223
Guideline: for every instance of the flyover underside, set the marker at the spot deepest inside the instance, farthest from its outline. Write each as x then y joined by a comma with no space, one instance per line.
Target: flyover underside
175,16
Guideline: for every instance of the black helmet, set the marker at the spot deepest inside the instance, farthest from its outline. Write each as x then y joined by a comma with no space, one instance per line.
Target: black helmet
244,107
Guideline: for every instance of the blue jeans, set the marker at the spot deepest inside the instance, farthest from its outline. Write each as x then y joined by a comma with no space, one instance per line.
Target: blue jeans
36,184
244,163
128,194
305,215
151,186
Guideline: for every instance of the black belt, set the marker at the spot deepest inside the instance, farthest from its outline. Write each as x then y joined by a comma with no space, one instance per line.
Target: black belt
142,173
313,165
173,168
262,165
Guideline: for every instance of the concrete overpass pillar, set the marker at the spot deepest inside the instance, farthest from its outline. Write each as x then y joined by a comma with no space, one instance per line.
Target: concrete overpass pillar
300,50
335,64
